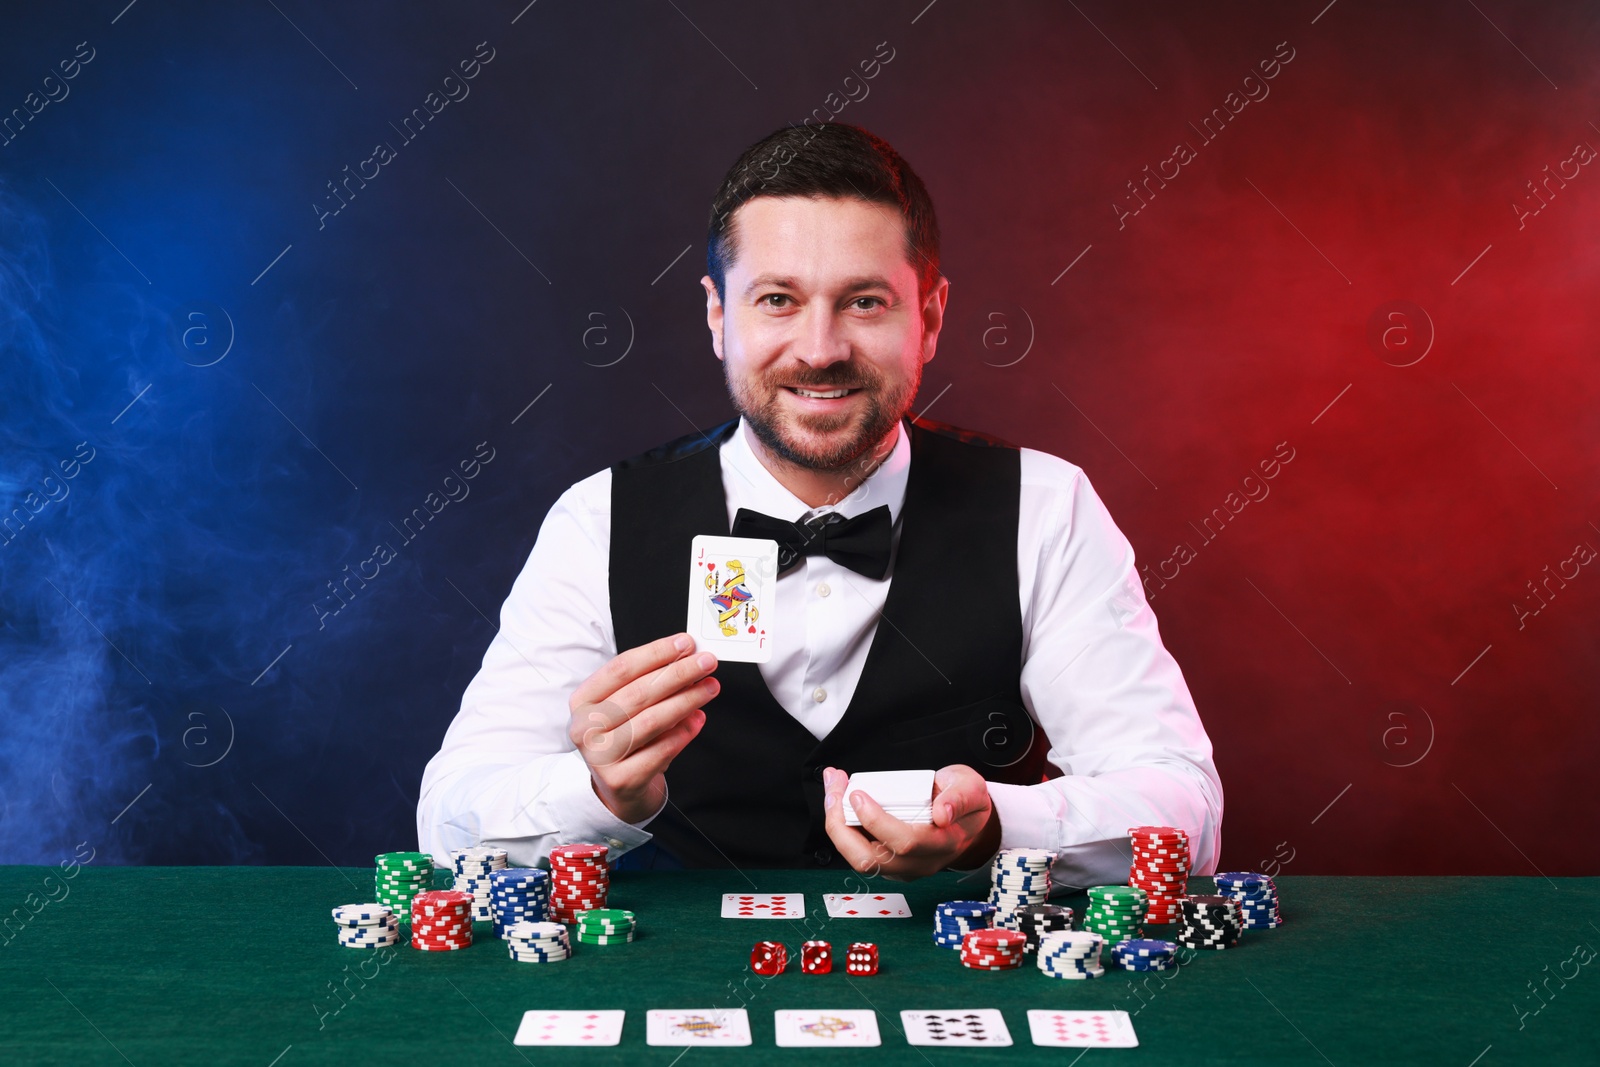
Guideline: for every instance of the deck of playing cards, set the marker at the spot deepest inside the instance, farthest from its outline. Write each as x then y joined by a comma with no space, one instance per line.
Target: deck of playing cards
733,596
907,795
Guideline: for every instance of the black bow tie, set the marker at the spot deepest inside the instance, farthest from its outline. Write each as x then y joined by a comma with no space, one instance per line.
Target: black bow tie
861,543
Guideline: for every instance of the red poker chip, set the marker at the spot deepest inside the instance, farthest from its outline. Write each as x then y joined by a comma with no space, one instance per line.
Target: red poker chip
578,850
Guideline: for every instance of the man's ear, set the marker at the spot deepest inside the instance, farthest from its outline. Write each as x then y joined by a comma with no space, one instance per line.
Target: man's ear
713,314
933,317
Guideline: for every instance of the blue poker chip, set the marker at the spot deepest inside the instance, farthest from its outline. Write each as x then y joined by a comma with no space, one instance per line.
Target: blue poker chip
967,908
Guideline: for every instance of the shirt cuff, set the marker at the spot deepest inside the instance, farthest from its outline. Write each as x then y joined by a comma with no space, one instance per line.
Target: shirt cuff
585,817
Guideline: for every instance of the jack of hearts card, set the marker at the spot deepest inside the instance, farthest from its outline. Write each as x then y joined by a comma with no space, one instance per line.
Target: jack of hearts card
733,585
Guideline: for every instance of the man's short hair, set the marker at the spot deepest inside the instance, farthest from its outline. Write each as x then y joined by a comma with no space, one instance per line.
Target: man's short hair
831,160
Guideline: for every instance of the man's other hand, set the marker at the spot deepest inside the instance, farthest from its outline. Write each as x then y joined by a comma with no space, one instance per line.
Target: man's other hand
632,717
965,832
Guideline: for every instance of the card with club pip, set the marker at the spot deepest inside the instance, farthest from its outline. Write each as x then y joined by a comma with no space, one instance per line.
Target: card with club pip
569,1028
733,583
1082,1029
968,1026
697,1026
810,1028
867,905
763,906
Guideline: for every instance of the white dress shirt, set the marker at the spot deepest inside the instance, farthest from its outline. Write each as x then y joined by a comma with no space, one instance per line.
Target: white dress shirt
1122,725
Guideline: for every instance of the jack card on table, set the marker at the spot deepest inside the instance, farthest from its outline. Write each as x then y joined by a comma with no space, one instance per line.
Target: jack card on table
813,1028
697,1026
733,584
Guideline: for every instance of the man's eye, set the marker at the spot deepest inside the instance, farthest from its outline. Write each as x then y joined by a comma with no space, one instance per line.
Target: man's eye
859,299
775,296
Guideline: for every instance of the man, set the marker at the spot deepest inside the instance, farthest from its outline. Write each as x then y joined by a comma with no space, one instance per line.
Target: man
976,612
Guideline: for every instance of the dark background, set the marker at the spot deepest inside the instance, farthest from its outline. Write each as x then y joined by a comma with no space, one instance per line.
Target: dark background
171,693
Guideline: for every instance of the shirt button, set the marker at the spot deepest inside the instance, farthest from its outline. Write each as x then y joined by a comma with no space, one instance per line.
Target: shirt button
823,589
819,694
615,843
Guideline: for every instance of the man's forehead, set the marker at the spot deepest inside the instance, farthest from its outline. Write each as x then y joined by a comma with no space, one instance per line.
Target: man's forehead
798,242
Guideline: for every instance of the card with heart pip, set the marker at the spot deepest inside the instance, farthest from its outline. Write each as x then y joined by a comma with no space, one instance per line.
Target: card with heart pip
733,584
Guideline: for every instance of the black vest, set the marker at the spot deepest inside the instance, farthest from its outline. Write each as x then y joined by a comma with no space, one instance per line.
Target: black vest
940,683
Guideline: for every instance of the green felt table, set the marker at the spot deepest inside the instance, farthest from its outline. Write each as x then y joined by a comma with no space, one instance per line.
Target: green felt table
206,965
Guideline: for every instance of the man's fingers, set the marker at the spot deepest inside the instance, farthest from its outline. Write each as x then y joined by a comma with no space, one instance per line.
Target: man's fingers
629,665
648,760
958,792
612,735
894,833
664,681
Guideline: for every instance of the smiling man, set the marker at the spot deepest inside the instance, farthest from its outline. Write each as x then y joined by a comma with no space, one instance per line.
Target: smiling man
946,600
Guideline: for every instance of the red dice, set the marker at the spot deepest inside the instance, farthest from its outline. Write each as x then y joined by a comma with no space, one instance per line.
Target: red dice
769,958
861,959
816,957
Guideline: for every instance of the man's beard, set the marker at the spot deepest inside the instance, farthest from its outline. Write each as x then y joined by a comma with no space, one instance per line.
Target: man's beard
764,412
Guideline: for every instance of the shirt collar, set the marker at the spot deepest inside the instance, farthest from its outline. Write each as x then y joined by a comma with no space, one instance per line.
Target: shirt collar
747,483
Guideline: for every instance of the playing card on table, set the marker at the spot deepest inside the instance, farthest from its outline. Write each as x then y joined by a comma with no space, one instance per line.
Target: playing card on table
733,585
907,795
811,1028
867,905
697,1026
1082,1029
763,906
967,1026
569,1028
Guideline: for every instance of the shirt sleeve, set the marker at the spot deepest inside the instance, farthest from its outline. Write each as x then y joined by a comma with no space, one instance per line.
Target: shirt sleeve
507,775
1122,725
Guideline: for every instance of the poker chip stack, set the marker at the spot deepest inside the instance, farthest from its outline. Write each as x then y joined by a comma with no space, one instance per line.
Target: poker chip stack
769,958
1257,895
519,894
1115,912
366,926
1142,955
580,880
1071,954
473,867
399,878
1161,868
1036,920
606,926
816,957
538,942
993,949
1210,922
955,919
1021,876
441,920
861,959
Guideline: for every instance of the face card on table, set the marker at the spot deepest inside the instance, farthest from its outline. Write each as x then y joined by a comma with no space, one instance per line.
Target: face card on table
1082,1029
569,1028
811,1028
867,905
966,1026
733,596
763,906
697,1026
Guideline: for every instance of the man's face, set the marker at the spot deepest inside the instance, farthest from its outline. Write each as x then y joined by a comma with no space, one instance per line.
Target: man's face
821,297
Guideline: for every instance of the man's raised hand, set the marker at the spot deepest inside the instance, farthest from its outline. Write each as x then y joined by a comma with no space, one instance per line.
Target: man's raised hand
632,717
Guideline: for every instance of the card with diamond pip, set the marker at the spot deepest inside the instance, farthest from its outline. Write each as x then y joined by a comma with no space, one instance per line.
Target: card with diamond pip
733,596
